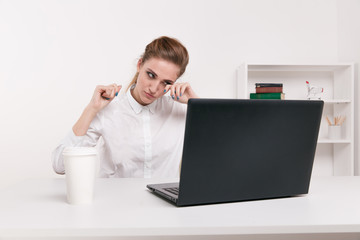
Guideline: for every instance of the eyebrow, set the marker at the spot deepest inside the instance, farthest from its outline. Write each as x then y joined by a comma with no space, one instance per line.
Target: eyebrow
150,70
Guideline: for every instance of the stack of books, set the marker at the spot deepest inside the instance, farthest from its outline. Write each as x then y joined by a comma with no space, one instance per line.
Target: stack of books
268,91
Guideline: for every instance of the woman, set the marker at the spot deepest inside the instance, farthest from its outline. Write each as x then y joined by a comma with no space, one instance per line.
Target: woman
142,130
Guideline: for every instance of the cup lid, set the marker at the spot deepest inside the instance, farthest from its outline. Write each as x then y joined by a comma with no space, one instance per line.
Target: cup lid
79,151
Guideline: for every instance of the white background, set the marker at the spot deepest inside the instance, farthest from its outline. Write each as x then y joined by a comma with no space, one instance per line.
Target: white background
54,53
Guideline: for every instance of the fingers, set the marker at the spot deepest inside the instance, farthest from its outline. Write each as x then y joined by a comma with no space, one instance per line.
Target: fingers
106,94
118,89
183,88
167,88
178,91
173,91
109,92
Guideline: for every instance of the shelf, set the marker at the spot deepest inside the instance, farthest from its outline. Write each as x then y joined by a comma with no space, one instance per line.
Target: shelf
333,156
333,101
326,140
296,67
337,101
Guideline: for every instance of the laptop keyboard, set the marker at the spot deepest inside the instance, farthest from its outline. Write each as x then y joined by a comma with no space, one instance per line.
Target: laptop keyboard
174,190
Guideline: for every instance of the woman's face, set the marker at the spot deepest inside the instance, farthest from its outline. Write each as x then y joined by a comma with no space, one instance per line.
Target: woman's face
154,75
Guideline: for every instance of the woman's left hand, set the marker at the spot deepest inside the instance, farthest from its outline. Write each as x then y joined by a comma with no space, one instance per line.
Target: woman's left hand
181,92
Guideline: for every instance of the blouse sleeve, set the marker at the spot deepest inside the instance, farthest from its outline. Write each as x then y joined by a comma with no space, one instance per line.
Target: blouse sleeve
90,139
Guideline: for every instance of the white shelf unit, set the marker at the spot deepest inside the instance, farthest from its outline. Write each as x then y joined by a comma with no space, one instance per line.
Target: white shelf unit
333,156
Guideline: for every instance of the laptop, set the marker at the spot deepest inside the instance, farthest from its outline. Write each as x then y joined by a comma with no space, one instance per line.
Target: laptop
238,150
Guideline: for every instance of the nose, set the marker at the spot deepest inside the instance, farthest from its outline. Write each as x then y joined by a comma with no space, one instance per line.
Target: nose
154,86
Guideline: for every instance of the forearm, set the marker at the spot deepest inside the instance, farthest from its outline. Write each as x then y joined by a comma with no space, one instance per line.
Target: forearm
82,125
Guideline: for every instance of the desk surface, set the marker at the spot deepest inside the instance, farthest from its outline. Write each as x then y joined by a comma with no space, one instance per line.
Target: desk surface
125,208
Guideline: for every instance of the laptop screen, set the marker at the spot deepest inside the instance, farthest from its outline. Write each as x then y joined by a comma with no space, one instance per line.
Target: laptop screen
248,149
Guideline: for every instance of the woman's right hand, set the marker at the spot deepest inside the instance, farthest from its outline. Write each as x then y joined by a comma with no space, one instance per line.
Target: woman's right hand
103,95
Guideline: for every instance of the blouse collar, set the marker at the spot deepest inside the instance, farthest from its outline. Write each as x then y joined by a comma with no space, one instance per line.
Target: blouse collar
137,107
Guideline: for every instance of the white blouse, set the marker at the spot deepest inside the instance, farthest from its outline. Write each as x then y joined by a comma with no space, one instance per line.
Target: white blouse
137,141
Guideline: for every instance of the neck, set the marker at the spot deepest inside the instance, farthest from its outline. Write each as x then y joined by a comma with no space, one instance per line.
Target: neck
136,96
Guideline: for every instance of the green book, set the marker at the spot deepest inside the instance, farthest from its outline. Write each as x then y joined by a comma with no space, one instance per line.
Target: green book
267,96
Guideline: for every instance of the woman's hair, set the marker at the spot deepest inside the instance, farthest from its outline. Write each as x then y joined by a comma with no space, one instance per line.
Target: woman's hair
166,48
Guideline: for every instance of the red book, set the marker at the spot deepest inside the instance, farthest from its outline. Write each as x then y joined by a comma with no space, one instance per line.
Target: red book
269,89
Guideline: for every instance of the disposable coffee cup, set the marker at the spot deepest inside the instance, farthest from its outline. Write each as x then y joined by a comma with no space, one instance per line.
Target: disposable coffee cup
80,173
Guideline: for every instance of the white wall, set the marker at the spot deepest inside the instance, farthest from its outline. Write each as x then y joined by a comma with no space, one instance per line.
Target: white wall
53,54
349,51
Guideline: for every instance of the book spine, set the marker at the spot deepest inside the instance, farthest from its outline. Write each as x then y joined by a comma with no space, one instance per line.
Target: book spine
267,96
269,89
268,85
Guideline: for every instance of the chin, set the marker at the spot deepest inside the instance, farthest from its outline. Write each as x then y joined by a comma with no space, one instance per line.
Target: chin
147,101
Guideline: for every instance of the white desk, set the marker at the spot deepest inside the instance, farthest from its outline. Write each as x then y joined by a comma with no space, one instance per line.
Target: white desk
123,208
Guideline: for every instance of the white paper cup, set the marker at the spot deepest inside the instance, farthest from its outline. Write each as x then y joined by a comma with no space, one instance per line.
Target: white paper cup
80,173
334,132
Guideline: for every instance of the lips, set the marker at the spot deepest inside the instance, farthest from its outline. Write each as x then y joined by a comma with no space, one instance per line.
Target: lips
149,95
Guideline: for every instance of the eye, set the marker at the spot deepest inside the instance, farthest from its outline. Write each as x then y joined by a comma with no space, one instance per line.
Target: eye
167,83
150,74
